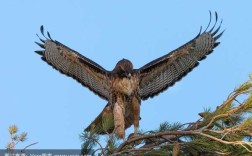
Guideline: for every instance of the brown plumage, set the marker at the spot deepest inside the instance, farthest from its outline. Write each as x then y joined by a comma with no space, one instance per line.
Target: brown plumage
124,87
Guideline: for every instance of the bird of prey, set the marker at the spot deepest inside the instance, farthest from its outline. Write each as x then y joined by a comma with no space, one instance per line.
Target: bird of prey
124,87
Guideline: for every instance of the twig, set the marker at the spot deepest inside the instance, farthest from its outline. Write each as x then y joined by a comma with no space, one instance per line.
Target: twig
229,142
98,144
110,138
95,151
22,151
230,112
238,101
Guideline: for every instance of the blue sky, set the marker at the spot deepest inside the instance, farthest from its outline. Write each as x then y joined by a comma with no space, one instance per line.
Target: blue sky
54,109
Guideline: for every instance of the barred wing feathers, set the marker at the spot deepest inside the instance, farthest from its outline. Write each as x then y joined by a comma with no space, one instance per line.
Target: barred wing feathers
163,72
73,64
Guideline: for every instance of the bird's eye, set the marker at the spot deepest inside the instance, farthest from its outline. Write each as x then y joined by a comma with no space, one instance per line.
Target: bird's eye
121,74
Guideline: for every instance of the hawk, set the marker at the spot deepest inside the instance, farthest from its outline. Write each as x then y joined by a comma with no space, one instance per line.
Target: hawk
124,87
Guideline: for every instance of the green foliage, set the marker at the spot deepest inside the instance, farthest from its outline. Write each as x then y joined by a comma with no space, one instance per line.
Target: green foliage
89,142
246,125
13,129
15,138
112,143
23,136
165,126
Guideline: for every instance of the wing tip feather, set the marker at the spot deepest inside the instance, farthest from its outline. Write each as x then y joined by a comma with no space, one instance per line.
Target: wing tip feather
41,45
47,36
40,52
219,35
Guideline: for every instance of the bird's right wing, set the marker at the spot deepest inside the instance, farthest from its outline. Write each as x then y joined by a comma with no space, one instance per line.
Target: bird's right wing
73,64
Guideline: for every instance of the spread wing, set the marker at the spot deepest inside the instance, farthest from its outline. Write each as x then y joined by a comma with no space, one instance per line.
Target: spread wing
163,72
73,64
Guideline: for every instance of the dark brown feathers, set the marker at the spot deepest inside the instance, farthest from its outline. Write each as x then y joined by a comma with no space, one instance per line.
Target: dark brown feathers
163,72
71,63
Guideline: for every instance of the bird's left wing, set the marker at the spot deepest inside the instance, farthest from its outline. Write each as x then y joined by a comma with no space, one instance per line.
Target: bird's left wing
73,64
163,72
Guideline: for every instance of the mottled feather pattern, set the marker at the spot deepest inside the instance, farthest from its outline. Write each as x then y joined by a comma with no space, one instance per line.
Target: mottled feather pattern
163,72
72,64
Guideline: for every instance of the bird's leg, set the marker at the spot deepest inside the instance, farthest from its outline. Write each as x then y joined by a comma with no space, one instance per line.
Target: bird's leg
135,130
136,114
119,111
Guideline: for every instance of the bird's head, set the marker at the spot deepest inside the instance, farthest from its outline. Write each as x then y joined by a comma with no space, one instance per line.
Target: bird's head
123,68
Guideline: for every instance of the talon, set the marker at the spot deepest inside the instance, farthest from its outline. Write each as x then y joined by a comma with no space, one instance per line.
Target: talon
131,136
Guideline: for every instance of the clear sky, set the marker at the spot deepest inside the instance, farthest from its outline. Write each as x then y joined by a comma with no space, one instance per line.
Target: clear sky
54,109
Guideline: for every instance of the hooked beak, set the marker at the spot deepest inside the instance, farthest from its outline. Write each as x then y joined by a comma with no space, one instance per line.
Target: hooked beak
129,76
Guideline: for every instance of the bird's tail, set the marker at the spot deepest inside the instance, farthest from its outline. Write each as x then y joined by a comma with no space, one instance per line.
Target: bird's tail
104,122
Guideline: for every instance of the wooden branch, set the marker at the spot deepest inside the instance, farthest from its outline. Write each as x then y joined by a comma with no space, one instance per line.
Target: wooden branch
155,135
181,133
